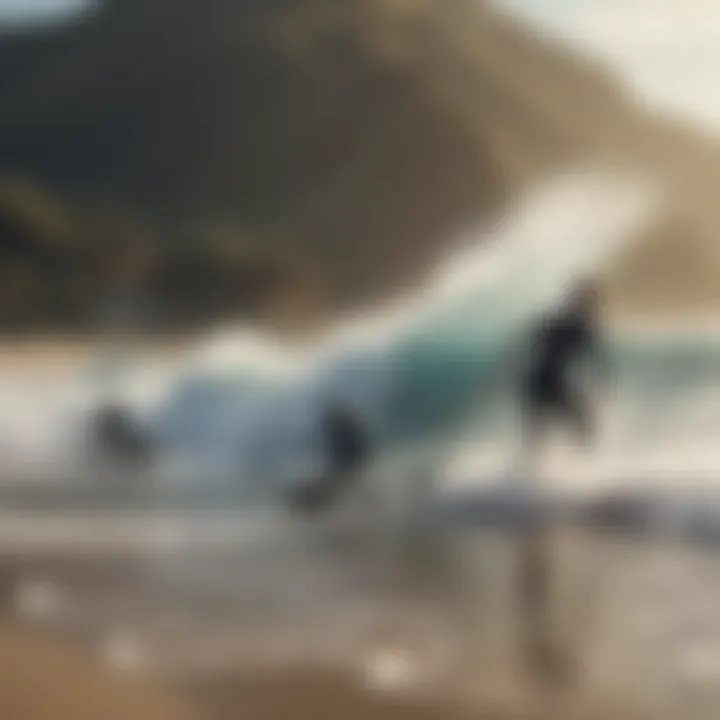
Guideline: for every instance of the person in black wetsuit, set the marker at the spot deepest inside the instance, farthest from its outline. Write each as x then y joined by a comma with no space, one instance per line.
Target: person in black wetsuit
117,435
559,343
347,448
551,392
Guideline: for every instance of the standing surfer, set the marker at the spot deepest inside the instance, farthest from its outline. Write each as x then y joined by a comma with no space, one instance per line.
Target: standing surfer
550,392
118,436
346,448
550,389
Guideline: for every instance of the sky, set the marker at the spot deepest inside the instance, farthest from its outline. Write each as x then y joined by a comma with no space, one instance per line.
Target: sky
668,50
23,11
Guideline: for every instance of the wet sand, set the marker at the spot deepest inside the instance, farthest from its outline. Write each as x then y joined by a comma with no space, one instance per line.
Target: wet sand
186,610
313,694
49,356
43,679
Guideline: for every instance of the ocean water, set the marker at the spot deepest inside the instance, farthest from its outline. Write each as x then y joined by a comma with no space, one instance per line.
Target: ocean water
242,406
431,373
194,564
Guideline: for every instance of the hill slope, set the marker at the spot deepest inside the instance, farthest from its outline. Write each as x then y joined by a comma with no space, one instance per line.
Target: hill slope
342,141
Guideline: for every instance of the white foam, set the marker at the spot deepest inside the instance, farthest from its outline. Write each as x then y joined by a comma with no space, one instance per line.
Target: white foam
498,278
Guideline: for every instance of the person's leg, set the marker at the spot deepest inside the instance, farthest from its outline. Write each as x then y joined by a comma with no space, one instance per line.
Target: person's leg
577,412
550,661
544,658
329,490
535,416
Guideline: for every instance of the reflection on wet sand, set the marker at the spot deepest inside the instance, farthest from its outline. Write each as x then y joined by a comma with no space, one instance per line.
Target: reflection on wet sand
320,625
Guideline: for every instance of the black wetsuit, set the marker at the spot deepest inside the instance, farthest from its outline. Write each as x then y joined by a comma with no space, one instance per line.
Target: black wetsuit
118,436
559,343
347,448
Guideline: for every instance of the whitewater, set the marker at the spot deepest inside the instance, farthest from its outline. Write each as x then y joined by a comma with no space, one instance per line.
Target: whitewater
422,371
430,373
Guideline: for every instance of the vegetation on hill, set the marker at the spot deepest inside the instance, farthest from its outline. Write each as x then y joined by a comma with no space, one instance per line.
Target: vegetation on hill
247,147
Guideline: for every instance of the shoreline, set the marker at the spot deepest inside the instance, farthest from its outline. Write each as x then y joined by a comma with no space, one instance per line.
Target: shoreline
29,352
673,325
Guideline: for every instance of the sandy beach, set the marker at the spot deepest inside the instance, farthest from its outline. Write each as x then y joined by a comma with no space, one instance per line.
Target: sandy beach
198,606
43,679
58,354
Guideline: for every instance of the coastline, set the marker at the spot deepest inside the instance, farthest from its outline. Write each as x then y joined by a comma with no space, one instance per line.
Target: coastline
676,325
33,351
